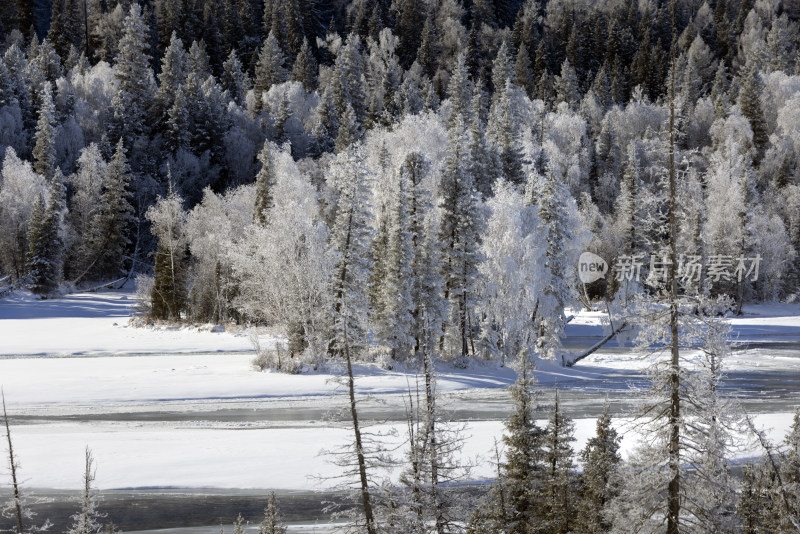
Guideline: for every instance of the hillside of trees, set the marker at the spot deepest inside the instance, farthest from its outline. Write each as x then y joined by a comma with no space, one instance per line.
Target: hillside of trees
412,172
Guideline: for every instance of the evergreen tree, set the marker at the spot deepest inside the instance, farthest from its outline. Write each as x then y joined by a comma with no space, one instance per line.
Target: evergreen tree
265,185
198,62
410,19
558,506
350,238
554,202
349,130
487,168
45,241
134,78
168,297
305,67
234,79
459,236
44,153
172,75
750,102
394,308
269,69
502,69
601,478
273,519
567,88
504,132
523,469
114,221
460,91
523,71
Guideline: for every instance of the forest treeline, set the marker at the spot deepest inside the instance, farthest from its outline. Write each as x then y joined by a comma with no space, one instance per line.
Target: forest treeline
411,172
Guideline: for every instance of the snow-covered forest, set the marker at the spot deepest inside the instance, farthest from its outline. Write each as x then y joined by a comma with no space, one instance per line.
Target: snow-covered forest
412,182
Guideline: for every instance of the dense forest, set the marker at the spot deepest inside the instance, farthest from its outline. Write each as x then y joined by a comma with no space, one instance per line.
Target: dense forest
413,181
416,172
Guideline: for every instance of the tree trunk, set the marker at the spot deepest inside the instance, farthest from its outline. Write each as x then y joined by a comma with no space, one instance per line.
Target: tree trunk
674,487
362,464
14,483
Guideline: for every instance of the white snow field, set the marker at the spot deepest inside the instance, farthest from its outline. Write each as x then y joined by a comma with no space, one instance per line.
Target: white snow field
184,408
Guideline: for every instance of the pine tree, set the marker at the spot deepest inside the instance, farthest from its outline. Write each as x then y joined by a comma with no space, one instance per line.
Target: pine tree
554,201
134,78
113,224
198,61
234,79
567,88
504,132
487,168
349,130
46,244
502,69
410,19
459,235
750,102
305,67
350,238
523,71
269,69
169,286
172,75
460,91
523,470
44,153
601,478
273,519
394,308
558,507
265,185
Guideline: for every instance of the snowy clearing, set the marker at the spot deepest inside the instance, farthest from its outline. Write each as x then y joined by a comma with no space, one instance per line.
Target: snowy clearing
74,371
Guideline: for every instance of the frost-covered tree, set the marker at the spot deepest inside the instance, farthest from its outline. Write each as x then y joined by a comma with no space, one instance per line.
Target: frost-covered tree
555,206
601,480
305,67
87,520
19,189
524,466
265,183
350,237
393,310
273,520
558,508
44,152
112,226
134,77
45,239
511,273
459,235
269,70
18,508
167,219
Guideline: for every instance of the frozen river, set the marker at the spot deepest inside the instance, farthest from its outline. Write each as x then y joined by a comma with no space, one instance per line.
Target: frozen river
178,420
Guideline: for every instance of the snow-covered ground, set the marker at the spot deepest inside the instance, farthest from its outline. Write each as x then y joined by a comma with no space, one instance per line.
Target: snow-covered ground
146,400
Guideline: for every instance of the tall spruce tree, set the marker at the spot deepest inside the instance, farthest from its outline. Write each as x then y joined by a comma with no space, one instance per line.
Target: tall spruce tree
459,235
114,221
134,77
559,505
601,478
44,152
45,241
523,470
